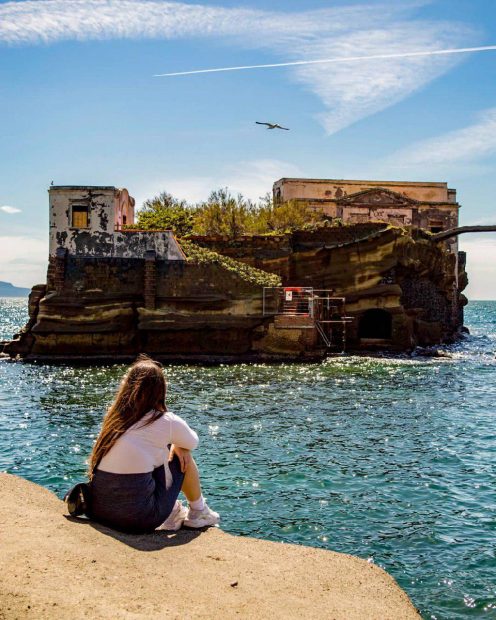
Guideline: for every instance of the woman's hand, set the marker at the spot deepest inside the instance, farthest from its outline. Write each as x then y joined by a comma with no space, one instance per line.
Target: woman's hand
182,454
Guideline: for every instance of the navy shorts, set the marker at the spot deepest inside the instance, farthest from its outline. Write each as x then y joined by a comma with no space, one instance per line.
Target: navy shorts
135,503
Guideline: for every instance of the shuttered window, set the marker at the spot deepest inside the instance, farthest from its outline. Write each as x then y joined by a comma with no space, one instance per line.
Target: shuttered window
80,217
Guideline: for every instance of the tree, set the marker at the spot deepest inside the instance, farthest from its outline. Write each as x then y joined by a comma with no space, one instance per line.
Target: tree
165,212
283,217
223,214
292,215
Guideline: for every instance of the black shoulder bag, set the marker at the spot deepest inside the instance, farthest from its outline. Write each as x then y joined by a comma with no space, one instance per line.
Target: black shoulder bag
78,499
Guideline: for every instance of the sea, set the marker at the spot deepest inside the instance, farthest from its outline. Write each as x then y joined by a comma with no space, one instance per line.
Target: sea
392,459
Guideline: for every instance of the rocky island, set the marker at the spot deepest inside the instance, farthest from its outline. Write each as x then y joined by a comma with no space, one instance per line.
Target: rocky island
374,276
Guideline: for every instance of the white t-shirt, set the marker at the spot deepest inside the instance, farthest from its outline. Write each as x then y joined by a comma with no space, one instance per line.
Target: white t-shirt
142,448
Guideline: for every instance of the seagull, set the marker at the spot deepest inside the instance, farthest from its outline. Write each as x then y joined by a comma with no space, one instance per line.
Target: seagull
272,125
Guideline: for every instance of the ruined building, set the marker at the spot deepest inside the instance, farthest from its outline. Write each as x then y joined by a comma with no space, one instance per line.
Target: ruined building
88,221
431,206
112,293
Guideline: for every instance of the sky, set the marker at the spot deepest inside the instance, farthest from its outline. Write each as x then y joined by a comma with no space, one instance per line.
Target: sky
80,104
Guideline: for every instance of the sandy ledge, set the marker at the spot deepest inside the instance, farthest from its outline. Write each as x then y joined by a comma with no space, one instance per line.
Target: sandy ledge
54,567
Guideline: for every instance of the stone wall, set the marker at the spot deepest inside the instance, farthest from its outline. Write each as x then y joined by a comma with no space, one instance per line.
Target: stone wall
125,244
266,247
335,235
115,308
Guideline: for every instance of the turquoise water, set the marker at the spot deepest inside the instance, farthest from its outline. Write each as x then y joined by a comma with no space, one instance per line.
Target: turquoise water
390,459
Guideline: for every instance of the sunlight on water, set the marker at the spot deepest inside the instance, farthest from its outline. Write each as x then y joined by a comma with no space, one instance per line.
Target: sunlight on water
13,315
391,459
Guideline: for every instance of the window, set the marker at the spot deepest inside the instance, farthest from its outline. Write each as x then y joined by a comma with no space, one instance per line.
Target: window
124,220
435,226
80,216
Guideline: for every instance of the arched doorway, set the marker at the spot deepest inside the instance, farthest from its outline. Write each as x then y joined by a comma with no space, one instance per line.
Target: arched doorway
375,324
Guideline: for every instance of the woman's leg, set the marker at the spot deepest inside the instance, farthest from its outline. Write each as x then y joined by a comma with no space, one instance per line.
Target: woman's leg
191,483
199,514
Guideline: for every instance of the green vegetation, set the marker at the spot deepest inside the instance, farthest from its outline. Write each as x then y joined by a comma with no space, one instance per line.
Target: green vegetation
224,214
199,255
164,212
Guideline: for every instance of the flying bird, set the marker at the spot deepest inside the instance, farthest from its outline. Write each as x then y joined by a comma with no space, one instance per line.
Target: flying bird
272,126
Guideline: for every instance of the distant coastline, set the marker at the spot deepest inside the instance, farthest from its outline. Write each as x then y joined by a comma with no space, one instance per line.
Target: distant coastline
9,290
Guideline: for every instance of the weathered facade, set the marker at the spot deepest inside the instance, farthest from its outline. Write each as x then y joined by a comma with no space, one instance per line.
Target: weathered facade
431,206
87,221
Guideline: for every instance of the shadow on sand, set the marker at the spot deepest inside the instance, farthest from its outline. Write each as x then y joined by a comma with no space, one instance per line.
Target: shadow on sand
143,542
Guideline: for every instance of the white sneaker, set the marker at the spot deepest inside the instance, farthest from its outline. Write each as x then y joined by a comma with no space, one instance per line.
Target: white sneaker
176,518
201,518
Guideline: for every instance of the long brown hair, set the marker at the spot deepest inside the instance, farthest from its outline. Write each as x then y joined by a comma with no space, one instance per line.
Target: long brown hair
142,389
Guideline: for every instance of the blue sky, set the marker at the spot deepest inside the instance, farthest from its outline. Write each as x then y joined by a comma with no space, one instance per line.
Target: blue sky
79,105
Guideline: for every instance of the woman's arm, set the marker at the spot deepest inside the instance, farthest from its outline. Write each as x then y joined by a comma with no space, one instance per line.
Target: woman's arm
182,435
182,454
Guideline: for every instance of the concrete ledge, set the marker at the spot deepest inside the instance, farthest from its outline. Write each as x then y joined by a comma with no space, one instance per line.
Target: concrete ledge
55,567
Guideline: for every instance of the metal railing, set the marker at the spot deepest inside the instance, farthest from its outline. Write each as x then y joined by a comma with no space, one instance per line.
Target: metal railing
327,312
288,300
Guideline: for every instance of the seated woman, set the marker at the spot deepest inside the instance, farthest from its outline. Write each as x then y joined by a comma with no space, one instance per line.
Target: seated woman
135,478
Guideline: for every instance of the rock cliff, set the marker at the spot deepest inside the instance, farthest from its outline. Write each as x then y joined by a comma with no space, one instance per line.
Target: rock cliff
402,288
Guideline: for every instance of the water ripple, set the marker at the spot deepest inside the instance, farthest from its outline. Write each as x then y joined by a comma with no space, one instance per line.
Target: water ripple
389,458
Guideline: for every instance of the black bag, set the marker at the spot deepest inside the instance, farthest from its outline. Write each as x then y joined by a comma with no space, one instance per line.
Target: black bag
78,500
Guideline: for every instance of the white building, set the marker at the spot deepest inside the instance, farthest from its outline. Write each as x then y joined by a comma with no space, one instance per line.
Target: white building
88,221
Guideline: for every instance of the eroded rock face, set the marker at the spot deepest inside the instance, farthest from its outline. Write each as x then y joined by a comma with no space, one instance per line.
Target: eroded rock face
99,310
402,291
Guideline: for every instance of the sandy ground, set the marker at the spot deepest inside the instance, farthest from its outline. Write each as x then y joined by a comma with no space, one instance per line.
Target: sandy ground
55,567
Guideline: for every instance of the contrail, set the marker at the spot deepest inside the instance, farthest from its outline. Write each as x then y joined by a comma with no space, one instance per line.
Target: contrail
461,50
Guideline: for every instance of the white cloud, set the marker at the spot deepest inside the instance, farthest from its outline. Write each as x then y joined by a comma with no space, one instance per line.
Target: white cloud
49,21
23,260
255,178
10,210
481,265
348,92
352,91
462,146
252,178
